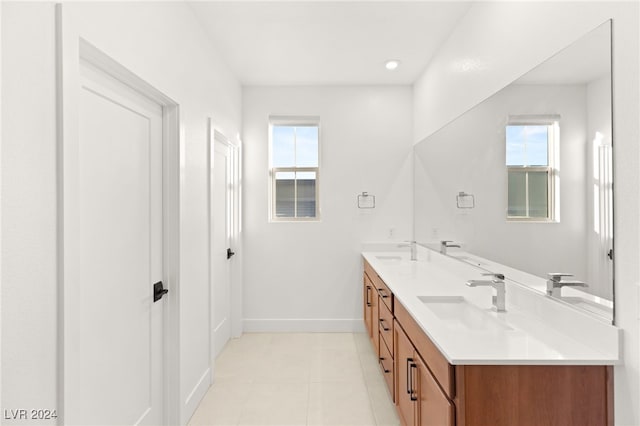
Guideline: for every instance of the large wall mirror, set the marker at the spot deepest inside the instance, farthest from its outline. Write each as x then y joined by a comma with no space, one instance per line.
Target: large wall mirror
525,178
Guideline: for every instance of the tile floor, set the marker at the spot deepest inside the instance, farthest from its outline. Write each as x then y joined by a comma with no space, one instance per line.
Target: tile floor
297,379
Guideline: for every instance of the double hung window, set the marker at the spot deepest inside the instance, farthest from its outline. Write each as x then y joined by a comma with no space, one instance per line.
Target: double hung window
294,169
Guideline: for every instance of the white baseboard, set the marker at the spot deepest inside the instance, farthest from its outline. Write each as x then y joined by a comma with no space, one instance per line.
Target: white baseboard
254,325
192,401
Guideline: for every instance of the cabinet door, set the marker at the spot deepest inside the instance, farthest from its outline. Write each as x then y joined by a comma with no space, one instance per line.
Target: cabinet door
368,296
433,407
403,359
370,299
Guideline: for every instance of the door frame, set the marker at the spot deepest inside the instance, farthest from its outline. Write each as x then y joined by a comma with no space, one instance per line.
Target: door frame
71,51
235,301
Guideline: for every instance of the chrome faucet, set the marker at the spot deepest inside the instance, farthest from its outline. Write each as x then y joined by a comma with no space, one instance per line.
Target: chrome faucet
444,244
498,283
414,248
556,282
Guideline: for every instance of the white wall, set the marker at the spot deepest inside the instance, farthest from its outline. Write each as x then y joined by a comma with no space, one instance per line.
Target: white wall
1,405
497,42
469,155
163,44
305,276
29,314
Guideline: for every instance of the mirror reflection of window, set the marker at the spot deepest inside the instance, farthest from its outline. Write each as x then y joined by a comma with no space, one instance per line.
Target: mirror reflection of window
531,179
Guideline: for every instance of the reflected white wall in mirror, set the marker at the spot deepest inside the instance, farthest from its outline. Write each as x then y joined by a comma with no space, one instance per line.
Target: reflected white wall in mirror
469,154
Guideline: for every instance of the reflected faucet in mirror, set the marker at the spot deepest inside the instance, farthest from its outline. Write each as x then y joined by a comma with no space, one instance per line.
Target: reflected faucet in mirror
444,245
498,283
556,282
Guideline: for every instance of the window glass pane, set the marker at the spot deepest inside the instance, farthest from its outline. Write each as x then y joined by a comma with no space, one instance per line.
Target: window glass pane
517,194
283,146
536,145
538,194
284,194
307,146
306,196
515,145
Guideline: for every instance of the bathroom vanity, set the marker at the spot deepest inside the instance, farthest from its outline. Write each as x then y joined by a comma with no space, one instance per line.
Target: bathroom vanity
449,359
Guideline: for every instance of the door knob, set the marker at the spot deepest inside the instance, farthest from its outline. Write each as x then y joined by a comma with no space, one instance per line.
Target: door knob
159,291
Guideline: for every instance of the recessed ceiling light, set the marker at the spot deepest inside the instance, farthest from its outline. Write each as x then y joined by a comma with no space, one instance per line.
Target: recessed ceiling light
392,64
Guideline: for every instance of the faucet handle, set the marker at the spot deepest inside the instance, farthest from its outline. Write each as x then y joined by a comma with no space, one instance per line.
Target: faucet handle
445,241
557,276
497,276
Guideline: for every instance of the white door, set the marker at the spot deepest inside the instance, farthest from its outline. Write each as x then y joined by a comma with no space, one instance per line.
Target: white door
221,250
115,348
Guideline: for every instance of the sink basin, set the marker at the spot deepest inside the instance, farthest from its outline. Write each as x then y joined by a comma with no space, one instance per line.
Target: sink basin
389,258
469,260
456,312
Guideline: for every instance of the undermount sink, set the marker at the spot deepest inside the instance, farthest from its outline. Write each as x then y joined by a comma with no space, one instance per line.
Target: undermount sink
458,313
470,260
389,258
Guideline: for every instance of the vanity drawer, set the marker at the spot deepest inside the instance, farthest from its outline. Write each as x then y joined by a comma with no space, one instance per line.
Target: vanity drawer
385,323
385,294
386,366
437,363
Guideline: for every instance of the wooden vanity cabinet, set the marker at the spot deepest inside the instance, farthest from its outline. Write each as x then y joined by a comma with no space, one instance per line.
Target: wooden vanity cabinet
428,391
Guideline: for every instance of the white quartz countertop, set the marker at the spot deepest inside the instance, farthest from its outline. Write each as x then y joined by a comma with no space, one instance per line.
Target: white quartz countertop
535,332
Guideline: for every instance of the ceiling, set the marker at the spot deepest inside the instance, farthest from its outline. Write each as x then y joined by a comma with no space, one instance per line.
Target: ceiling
327,42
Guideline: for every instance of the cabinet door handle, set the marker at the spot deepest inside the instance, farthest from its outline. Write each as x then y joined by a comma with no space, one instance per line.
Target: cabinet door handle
409,390
383,293
382,325
411,367
368,295
382,365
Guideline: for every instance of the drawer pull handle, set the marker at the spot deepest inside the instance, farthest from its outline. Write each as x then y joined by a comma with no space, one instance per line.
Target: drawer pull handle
408,369
368,295
383,367
383,293
382,325
411,367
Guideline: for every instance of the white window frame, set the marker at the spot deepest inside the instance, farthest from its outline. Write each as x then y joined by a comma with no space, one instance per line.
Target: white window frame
293,121
553,184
